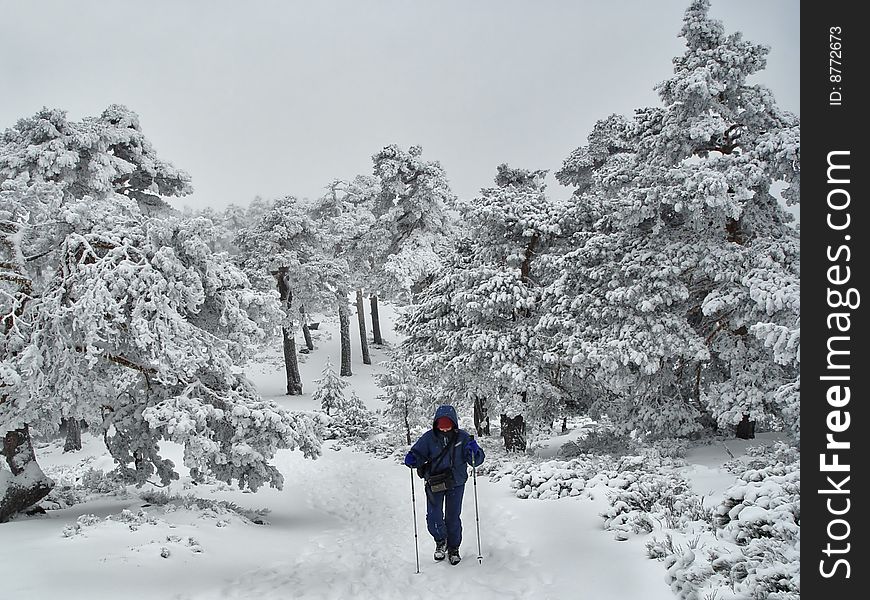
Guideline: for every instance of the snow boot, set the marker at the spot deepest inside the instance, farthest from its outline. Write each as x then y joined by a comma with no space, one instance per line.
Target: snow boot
453,556
440,549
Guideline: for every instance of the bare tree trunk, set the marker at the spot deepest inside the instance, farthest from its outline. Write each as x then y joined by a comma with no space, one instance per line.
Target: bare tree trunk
344,322
481,417
291,364
29,484
306,333
513,430
745,429
73,434
376,320
361,317
291,361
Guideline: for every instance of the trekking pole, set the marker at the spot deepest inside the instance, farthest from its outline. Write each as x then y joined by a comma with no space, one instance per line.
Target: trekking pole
476,514
414,509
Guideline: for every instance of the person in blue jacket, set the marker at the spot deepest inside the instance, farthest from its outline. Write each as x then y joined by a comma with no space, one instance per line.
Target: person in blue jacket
445,450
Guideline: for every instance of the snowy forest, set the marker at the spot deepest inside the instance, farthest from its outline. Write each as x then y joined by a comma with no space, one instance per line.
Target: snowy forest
593,344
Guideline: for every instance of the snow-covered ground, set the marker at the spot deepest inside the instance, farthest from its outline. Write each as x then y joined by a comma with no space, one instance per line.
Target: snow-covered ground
341,528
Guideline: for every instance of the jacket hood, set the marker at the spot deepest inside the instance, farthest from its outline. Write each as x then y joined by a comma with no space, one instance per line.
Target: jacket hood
445,410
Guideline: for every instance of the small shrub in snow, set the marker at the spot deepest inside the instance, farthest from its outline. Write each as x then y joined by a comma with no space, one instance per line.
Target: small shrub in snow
687,509
383,445
346,417
157,497
649,493
133,521
764,569
552,479
763,503
354,421
210,508
82,522
660,549
760,457
756,549
686,575
191,543
499,463
600,442
670,447
78,483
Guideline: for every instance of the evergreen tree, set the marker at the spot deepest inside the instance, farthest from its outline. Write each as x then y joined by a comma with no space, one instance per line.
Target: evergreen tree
472,331
285,246
330,394
412,213
345,221
143,333
681,299
409,402
59,177
119,319
350,416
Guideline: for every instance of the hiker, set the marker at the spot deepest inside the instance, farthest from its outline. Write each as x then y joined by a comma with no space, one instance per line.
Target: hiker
440,457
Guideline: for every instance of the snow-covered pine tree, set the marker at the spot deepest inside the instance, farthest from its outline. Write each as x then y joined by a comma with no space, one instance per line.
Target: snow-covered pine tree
48,165
96,156
350,418
409,403
143,335
346,226
682,296
330,394
472,331
233,219
285,246
412,213
77,344
365,248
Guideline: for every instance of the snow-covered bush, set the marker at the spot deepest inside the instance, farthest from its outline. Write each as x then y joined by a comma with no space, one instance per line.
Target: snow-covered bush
354,421
660,549
759,457
647,498
686,575
157,497
172,502
756,547
763,503
78,483
346,417
81,522
553,479
385,445
499,462
669,447
599,442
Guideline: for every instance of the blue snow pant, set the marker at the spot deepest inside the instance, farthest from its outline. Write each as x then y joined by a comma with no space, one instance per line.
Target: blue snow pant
443,525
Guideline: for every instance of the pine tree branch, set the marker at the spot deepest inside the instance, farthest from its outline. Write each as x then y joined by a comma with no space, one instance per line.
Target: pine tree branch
124,362
25,283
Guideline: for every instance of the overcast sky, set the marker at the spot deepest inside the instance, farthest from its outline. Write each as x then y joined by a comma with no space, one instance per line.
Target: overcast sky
280,97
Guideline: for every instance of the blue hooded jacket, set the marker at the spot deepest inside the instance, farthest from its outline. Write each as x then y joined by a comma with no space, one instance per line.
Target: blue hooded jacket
431,443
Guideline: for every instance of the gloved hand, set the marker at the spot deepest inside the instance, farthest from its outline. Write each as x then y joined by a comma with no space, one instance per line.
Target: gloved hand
472,446
410,460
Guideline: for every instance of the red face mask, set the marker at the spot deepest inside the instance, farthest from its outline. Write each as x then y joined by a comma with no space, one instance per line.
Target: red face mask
444,423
